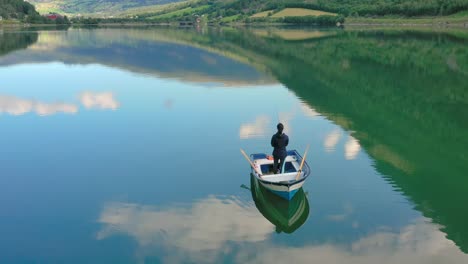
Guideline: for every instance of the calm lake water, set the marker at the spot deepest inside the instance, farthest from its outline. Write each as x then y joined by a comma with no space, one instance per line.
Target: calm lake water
122,145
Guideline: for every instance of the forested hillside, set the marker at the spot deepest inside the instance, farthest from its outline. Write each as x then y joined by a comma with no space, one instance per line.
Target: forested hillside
297,11
16,9
350,7
92,6
396,7
344,7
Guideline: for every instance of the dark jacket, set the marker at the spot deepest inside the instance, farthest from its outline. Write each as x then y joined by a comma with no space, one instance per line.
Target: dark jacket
279,143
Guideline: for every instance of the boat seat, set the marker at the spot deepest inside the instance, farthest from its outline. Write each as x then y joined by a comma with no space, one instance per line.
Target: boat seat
288,167
267,168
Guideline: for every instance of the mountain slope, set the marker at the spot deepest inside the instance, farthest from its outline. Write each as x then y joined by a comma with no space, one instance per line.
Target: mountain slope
296,11
92,6
16,9
248,7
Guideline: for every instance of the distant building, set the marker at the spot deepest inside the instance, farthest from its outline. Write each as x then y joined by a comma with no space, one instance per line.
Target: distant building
1,18
52,16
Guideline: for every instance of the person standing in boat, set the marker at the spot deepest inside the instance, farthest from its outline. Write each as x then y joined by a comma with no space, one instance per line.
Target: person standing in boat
279,141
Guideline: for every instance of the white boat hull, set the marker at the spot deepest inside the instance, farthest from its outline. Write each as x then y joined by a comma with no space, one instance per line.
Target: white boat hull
285,184
285,191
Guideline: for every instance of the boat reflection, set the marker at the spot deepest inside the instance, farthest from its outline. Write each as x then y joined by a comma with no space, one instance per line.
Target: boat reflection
287,216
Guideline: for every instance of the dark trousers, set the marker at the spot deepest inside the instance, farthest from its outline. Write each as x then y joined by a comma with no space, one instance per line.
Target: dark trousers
278,161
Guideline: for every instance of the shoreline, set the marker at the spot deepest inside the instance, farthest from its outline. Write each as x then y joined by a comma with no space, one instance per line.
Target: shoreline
426,25
437,23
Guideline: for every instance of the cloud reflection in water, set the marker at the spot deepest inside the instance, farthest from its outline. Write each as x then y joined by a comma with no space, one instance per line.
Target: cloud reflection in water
255,129
308,111
215,227
207,225
16,106
416,243
352,148
104,100
331,140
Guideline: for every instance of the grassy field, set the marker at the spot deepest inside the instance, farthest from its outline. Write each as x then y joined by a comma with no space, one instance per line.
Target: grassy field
230,18
462,14
287,12
154,9
446,20
460,18
262,14
9,22
181,12
45,8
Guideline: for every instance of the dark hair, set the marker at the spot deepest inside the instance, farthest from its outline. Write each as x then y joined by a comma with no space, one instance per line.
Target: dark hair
280,127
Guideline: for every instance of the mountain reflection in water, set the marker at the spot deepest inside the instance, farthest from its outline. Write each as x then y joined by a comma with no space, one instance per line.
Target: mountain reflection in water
385,111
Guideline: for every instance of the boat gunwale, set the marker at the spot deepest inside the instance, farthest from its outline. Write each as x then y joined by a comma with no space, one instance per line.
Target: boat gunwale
289,183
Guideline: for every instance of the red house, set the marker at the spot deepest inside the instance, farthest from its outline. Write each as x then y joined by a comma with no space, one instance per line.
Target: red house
53,16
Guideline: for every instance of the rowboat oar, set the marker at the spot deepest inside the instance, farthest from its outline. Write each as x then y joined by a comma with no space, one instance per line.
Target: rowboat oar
302,163
243,186
250,162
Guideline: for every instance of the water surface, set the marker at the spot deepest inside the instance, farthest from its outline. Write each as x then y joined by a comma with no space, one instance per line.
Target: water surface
122,145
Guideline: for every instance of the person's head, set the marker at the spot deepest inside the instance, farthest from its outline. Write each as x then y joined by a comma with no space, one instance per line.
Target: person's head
280,127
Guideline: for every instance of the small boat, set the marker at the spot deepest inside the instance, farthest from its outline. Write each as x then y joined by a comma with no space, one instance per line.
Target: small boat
286,183
287,216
